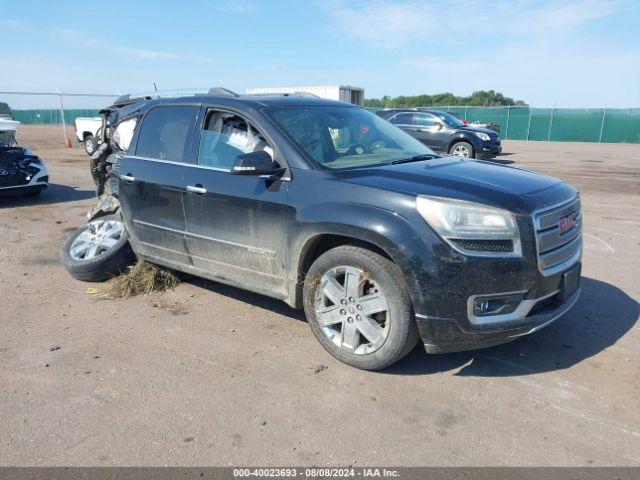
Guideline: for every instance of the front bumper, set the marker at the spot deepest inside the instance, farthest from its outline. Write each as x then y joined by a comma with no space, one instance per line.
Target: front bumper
542,304
15,184
489,150
22,189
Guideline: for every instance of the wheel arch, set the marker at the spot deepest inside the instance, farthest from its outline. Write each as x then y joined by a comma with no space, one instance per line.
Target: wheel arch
462,137
321,242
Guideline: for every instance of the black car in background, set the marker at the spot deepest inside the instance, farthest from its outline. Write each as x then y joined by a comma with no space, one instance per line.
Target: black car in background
444,132
332,209
21,171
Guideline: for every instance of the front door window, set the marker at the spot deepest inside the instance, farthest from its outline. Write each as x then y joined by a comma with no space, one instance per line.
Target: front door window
224,137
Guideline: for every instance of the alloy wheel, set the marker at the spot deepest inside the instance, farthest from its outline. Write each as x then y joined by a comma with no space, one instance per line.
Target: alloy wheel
352,310
461,151
99,237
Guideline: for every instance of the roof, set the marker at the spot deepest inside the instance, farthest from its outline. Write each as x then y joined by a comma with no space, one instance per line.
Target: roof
253,100
219,95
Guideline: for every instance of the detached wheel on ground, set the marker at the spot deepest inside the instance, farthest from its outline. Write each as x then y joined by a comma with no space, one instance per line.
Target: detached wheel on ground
462,149
98,250
359,308
89,144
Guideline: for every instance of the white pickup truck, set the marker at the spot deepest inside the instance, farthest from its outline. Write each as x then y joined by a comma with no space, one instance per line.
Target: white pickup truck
86,129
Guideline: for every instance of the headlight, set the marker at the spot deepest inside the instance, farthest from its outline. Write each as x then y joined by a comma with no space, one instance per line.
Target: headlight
471,227
483,136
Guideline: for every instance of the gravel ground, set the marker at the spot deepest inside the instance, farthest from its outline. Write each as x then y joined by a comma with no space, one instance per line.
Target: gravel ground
212,375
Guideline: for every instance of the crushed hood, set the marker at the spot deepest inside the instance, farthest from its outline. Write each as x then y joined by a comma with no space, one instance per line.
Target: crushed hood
15,156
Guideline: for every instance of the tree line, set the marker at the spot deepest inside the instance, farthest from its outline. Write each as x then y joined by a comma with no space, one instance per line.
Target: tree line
481,98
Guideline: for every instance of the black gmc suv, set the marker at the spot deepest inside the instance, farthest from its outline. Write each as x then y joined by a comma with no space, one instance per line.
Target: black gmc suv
332,209
444,132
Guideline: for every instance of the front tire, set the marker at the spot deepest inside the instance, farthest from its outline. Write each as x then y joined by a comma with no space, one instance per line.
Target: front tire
89,144
359,308
98,250
462,150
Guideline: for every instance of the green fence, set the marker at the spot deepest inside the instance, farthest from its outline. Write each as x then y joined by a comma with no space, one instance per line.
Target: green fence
51,117
612,125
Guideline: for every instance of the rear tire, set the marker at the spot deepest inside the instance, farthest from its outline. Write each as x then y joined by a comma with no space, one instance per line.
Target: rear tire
112,255
89,144
462,150
343,325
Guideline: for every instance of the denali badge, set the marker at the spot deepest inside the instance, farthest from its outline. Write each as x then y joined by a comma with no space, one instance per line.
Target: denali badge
567,223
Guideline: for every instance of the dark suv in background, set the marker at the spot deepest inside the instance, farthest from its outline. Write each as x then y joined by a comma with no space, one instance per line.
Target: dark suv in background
444,132
332,209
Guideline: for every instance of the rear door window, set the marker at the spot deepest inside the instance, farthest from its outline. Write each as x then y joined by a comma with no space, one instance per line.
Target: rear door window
166,133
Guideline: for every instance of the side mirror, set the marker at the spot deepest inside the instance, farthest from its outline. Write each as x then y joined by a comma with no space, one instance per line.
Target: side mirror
256,163
440,125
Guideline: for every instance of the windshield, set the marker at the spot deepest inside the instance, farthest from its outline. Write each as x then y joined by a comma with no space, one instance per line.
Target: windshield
339,137
449,119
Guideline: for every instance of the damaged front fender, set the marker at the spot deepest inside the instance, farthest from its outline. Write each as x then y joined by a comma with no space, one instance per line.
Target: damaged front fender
108,198
107,204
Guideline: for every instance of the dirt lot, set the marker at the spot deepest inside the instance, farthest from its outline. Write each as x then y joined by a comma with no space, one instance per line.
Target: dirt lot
212,375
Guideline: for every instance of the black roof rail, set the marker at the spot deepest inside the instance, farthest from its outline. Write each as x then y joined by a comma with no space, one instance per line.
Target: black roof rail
146,96
122,99
222,92
127,99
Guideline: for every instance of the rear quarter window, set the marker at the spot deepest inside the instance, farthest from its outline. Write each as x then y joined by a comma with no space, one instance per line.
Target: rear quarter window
166,133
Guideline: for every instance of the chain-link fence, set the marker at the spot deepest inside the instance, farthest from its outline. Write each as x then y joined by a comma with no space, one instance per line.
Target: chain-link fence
64,107
52,117
611,125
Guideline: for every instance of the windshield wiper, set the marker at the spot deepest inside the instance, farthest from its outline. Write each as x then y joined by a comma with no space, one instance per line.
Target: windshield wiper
415,158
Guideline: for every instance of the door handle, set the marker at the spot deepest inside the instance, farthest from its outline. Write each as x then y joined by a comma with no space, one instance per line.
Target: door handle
198,189
127,178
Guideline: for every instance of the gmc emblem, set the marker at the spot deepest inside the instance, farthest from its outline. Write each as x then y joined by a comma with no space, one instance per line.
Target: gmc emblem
567,223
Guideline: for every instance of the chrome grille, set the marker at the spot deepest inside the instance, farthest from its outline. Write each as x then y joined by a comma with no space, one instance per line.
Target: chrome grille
556,248
559,255
548,218
552,238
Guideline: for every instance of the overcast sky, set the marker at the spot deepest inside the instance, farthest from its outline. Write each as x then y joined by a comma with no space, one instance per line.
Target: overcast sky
563,53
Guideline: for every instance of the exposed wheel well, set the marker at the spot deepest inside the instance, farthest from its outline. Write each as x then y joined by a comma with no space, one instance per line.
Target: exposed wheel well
86,134
322,244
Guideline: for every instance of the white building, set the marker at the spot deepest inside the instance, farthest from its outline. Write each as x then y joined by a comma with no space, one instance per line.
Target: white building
343,93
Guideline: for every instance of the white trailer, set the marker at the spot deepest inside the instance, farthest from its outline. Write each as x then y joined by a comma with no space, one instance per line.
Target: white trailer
343,93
